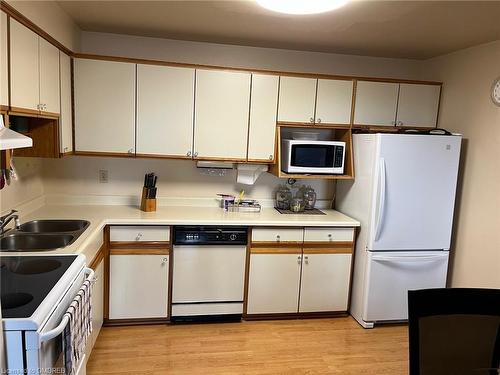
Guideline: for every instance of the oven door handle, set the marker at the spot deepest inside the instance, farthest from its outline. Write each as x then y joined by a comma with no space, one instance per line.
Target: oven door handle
49,335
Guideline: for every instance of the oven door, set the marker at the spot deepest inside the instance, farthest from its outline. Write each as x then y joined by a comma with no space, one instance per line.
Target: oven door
316,159
45,347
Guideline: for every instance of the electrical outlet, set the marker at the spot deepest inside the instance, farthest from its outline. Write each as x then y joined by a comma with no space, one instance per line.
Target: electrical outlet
103,176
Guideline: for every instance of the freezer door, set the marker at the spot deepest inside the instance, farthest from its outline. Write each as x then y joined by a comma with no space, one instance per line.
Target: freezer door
390,275
414,195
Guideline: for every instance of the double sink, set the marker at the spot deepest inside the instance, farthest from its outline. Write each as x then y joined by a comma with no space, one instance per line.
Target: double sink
43,235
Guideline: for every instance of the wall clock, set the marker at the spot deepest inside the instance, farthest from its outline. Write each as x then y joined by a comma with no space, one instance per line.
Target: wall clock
495,91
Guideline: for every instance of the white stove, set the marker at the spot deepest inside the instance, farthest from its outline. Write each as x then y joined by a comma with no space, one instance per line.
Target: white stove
36,291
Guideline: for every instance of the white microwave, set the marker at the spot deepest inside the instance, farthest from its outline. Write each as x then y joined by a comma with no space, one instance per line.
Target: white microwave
312,157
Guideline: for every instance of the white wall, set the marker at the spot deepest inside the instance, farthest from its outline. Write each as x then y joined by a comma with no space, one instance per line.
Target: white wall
247,57
29,186
50,17
466,108
78,175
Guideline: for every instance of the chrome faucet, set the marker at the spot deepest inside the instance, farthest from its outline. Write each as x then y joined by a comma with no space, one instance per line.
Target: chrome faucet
6,219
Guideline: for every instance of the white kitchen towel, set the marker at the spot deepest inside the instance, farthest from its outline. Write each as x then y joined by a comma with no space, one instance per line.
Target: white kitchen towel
78,328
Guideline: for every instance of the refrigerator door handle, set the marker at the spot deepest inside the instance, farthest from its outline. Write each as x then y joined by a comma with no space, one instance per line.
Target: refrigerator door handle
409,259
381,199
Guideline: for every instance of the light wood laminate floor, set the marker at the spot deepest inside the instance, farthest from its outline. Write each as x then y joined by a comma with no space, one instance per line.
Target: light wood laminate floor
314,346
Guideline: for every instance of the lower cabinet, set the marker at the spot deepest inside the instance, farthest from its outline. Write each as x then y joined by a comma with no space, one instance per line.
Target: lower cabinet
273,284
286,276
97,301
325,282
138,287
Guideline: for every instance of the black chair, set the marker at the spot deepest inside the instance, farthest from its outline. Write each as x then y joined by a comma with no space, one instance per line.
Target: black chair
454,331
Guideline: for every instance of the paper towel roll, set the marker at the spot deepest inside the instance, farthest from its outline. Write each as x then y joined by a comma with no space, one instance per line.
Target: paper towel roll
247,174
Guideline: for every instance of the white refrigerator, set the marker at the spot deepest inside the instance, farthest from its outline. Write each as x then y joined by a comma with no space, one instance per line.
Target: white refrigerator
404,196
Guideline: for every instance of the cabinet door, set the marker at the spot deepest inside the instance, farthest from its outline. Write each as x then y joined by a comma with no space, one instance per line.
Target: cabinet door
418,105
262,126
165,103
376,103
138,286
104,106
221,114
297,99
49,77
24,72
66,118
97,301
325,282
334,102
4,69
273,284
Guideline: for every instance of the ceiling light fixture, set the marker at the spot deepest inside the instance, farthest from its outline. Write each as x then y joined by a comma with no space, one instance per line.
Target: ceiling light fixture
301,6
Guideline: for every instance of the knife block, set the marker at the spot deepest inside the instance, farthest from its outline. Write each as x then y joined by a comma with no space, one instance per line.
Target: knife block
147,204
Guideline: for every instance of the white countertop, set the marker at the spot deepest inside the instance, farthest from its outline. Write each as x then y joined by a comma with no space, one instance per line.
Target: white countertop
99,216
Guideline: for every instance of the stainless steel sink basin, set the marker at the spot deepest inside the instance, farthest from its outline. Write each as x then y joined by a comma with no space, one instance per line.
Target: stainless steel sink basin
54,226
34,242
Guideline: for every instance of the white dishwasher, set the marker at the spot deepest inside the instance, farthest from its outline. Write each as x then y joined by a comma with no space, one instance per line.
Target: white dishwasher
208,273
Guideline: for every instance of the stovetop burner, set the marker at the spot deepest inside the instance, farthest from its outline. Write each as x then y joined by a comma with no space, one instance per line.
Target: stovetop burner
26,280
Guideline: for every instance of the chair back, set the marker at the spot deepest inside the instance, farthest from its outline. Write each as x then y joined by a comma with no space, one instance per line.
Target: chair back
454,331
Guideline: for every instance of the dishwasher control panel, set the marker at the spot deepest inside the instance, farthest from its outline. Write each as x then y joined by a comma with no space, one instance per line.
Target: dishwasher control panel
210,235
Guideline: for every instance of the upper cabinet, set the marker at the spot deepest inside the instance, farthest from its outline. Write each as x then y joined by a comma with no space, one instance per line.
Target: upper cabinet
66,118
315,101
396,104
104,106
418,105
221,114
376,103
165,107
34,72
334,102
4,68
24,72
49,76
297,98
262,125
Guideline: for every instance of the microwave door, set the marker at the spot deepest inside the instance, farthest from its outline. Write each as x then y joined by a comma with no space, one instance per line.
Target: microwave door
316,158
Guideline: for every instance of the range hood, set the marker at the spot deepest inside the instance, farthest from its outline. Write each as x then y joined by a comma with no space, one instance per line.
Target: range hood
10,139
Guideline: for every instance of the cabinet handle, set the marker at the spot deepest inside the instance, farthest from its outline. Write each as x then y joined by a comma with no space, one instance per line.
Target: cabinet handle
278,238
311,120
400,123
94,280
299,259
164,260
65,149
130,151
319,121
270,157
330,236
188,153
39,107
306,259
195,154
138,237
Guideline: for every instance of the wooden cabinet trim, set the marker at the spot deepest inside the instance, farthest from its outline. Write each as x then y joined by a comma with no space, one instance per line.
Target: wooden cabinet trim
329,250
276,244
98,258
113,154
276,250
139,248
145,251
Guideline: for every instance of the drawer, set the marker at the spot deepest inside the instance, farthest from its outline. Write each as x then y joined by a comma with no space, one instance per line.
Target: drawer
328,234
277,235
128,233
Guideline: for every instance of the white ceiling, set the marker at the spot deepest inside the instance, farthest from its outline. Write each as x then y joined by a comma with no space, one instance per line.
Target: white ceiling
406,29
